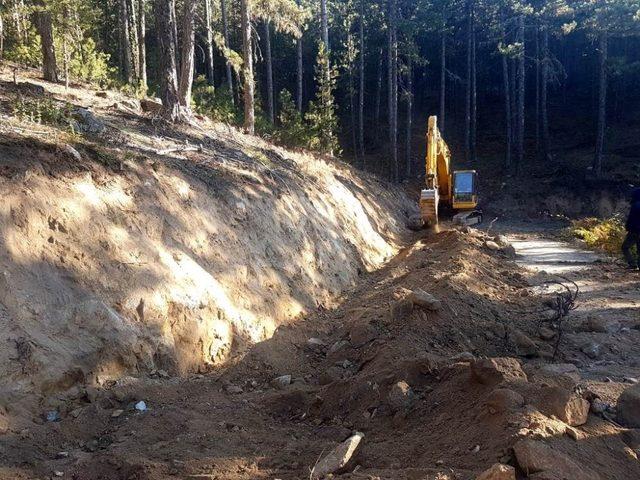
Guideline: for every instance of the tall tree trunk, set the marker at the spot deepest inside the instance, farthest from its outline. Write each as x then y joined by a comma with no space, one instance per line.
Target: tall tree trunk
379,90
187,57
1,37
543,94
521,94
514,94
44,25
269,66
142,49
225,34
352,109
474,91
443,78
467,96
361,85
247,67
208,25
132,15
125,42
299,75
392,84
507,104
409,119
538,92
324,24
602,102
165,18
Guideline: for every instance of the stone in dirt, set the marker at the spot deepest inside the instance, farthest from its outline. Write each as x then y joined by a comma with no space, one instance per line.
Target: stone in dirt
628,407
546,334
591,350
493,246
401,396
464,357
503,400
534,456
498,471
423,299
492,371
526,346
282,381
87,122
150,105
233,389
562,372
401,309
565,405
595,324
338,458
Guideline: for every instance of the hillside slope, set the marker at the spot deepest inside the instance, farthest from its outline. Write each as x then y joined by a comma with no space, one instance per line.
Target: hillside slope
135,247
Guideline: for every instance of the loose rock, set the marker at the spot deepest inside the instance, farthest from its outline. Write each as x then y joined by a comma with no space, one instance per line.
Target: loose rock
595,324
565,405
282,381
503,400
534,456
498,471
425,300
628,407
492,371
401,309
401,396
338,458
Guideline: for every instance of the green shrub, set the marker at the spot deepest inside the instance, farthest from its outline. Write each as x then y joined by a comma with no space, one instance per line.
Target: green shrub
42,110
606,235
214,103
88,64
28,54
292,130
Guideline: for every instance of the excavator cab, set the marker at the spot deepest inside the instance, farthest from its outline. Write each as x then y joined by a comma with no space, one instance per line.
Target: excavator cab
465,190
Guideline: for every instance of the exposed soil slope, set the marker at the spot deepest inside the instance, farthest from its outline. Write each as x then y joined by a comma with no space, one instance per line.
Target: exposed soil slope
135,247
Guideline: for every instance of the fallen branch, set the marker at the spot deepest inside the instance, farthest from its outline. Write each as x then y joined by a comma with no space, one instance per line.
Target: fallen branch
186,148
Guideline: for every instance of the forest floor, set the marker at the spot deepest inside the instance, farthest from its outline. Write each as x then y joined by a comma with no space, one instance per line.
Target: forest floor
307,262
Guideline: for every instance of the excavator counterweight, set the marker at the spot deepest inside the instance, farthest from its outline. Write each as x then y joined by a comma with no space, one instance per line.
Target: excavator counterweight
456,190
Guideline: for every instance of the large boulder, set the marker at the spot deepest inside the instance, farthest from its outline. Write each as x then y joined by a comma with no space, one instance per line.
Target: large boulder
492,371
628,407
338,458
498,471
535,456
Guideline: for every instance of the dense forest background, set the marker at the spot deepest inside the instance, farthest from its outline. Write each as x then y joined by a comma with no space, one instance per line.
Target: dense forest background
357,76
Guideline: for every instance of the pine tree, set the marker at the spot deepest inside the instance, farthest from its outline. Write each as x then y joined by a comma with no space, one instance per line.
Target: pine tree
321,116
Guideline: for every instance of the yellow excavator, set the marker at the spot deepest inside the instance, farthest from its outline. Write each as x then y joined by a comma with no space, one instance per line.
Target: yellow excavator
456,190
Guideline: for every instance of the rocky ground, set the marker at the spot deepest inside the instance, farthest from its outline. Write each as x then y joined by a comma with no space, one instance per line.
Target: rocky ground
441,365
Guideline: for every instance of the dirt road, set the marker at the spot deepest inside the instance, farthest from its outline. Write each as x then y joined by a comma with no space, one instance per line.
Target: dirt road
274,412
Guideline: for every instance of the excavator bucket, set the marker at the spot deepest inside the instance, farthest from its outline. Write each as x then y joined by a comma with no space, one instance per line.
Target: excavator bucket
429,199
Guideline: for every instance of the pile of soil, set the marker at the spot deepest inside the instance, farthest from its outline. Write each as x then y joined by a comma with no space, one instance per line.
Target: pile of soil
411,378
